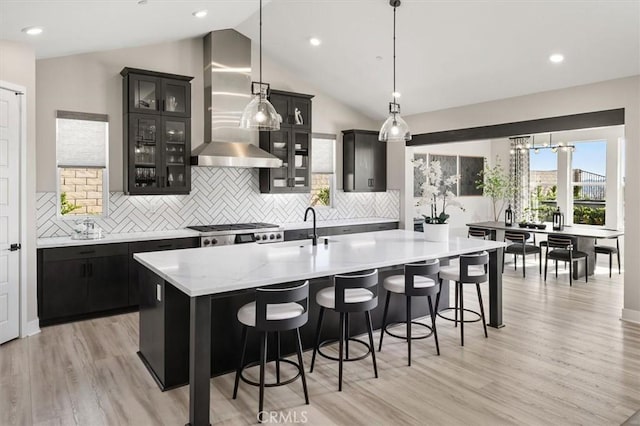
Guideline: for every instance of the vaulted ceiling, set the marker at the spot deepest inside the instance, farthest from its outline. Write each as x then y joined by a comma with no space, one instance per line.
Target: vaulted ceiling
450,53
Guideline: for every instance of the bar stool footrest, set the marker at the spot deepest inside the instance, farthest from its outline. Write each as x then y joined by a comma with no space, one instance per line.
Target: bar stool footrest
397,336
271,384
351,339
479,317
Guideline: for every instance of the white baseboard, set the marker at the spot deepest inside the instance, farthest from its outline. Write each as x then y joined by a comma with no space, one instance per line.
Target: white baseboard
630,315
33,327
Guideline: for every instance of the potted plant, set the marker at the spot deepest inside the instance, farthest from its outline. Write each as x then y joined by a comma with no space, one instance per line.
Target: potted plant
497,185
436,196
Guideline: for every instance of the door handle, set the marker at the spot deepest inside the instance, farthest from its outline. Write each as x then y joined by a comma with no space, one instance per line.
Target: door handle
90,269
84,269
15,247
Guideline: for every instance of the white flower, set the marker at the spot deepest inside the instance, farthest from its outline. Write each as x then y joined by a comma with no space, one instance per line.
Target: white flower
435,191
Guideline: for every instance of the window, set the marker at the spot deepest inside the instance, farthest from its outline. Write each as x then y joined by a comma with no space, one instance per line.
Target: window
543,185
323,160
588,182
82,159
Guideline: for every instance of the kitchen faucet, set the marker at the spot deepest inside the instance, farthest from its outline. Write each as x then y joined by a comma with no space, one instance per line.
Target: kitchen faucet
314,236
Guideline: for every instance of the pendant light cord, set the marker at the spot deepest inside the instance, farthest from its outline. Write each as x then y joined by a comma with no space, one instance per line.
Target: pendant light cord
394,52
260,48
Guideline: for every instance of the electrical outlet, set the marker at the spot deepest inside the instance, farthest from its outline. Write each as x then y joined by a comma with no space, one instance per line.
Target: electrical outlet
159,292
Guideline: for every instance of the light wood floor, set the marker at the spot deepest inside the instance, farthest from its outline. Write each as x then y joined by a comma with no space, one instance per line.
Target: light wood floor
563,358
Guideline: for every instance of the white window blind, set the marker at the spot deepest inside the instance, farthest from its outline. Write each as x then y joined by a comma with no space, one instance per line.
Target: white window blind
322,157
81,139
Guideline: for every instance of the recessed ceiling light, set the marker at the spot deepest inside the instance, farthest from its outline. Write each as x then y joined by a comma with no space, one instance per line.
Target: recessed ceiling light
314,41
556,58
396,94
32,30
142,2
200,13
379,58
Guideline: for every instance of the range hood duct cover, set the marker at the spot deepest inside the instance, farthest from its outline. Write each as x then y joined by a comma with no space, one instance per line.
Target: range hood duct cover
227,90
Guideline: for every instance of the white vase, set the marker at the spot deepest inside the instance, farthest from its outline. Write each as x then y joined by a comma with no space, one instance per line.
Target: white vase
436,232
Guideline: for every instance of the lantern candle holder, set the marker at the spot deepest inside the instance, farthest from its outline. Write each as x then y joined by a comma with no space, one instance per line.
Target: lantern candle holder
558,220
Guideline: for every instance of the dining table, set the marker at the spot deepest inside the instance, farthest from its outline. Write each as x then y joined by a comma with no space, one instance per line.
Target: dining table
585,236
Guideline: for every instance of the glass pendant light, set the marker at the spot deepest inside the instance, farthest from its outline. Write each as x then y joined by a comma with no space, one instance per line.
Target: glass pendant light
394,129
260,114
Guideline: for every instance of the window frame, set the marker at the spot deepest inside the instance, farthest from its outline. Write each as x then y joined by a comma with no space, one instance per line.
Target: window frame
84,116
333,184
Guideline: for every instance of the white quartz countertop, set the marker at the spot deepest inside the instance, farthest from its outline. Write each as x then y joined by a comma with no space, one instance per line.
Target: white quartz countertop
216,270
338,222
116,238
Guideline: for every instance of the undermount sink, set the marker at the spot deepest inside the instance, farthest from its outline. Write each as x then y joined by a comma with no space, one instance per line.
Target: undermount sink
304,243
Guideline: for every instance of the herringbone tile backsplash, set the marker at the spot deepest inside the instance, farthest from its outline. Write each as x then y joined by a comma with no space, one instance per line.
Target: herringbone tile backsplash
218,195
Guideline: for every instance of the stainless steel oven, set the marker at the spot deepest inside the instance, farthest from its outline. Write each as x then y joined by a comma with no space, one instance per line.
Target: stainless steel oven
239,233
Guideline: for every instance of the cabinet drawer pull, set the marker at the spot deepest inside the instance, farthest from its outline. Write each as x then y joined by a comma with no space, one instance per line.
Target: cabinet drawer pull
88,252
90,269
165,245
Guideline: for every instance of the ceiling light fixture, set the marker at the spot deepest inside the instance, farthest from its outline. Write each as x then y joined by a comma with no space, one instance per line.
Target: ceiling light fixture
32,30
522,144
396,94
142,2
556,58
394,129
259,114
200,13
314,41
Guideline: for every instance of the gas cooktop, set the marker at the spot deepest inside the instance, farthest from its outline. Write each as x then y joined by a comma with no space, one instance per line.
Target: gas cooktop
233,227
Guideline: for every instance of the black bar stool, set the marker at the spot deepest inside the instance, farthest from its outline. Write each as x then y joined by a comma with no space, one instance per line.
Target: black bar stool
275,310
610,251
472,270
419,279
564,250
350,293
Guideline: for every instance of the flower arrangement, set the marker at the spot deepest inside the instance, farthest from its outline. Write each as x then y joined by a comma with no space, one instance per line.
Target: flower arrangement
436,192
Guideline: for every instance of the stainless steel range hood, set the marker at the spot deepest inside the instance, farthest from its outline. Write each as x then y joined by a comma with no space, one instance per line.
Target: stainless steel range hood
227,90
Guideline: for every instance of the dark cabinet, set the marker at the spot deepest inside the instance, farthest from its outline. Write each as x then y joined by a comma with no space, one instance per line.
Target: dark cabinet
365,162
107,283
65,292
81,280
147,246
292,144
157,132
151,92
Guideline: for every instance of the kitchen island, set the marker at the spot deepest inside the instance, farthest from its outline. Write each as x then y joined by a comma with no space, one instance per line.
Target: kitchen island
206,274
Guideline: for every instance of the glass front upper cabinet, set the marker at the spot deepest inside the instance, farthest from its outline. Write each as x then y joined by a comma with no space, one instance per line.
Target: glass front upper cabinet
157,132
176,155
151,93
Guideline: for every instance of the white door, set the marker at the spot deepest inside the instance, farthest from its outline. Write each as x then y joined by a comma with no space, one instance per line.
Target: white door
9,214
